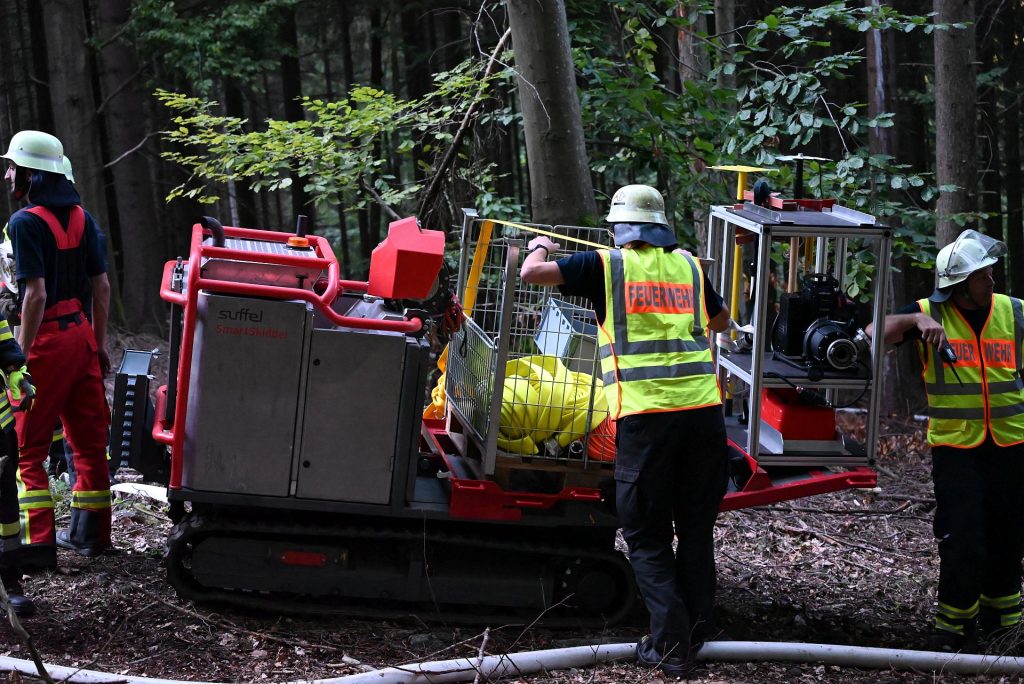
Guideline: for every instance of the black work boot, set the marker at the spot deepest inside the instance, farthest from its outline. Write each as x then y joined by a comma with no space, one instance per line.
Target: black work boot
648,655
951,642
1000,625
21,604
85,536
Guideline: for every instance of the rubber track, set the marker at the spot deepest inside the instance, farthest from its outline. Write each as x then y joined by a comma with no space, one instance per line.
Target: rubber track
194,527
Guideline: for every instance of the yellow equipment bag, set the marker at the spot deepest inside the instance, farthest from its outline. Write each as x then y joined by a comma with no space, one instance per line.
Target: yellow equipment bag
541,398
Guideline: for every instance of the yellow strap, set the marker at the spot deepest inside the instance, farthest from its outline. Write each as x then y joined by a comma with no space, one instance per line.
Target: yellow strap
541,231
477,267
10,529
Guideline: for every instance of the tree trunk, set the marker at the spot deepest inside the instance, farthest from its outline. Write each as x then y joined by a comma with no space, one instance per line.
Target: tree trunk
694,64
291,83
693,54
881,67
30,30
138,212
902,391
955,96
1008,25
666,57
369,240
725,27
415,52
345,47
75,121
17,92
560,185
991,200
244,198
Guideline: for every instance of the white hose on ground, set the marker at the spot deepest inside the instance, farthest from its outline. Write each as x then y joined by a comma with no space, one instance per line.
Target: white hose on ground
530,662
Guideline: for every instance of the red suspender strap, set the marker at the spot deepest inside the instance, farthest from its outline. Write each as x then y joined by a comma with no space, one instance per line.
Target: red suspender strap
66,239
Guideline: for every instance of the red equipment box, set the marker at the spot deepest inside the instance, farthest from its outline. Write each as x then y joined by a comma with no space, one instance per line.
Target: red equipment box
406,264
794,418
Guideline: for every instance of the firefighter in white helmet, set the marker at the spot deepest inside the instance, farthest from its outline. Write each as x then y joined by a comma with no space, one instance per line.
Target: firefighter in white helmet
976,434
655,305
59,267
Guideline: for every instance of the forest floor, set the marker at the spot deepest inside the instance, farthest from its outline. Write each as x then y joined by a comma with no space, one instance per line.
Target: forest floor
857,567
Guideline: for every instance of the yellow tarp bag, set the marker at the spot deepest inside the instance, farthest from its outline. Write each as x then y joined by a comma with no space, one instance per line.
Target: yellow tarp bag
438,399
541,398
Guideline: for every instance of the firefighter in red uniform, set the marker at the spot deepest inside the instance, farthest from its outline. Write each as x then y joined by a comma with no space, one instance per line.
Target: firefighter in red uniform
976,434
59,265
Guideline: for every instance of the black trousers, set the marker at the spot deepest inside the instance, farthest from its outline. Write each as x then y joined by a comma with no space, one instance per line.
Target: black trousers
10,539
672,468
979,522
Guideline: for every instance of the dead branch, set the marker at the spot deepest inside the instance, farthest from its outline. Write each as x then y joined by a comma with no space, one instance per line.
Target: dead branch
480,655
841,542
838,511
904,497
129,152
449,154
227,624
392,214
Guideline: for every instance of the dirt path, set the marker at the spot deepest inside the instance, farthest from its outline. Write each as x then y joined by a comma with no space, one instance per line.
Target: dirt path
850,568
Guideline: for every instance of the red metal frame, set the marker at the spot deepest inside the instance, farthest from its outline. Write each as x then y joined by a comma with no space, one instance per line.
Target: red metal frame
779,203
324,259
486,500
760,490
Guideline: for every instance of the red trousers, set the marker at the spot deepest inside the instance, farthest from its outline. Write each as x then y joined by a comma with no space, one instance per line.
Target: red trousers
65,369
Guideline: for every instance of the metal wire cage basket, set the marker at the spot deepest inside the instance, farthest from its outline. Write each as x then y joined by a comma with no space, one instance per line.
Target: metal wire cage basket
523,376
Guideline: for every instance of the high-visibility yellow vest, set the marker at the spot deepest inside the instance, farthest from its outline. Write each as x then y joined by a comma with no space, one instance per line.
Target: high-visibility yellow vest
991,398
6,416
654,350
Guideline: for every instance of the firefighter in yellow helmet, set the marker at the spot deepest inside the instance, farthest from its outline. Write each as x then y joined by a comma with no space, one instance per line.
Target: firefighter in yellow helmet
976,434
655,306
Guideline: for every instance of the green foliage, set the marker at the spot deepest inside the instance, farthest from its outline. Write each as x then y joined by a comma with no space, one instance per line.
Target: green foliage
215,41
638,127
785,67
333,150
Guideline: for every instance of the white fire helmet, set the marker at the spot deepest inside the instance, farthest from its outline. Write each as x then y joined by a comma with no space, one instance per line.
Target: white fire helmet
970,252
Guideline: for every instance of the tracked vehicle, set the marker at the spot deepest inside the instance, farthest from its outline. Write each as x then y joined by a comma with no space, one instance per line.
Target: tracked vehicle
304,476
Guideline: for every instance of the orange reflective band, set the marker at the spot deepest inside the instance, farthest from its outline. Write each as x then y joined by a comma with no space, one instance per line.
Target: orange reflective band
999,353
669,298
966,352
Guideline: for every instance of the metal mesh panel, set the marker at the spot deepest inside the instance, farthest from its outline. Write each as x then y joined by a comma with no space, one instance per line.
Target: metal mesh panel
471,360
530,350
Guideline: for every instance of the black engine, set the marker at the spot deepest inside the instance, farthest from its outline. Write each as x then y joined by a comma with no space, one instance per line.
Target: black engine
817,324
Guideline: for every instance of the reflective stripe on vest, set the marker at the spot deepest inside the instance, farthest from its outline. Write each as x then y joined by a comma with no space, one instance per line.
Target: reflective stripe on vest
991,396
6,417
654,350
